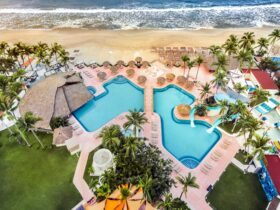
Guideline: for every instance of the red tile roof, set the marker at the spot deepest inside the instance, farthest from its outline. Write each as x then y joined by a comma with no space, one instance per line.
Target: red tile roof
273,167
264,80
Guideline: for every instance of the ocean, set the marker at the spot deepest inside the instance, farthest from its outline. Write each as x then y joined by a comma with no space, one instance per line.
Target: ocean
138,14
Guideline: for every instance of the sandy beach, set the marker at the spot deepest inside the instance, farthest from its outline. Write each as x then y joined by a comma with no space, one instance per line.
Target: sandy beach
113,45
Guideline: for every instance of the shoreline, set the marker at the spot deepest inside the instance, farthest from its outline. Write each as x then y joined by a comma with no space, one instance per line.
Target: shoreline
112,45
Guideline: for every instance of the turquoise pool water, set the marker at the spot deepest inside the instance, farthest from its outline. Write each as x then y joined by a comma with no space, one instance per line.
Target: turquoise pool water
120,96
189,145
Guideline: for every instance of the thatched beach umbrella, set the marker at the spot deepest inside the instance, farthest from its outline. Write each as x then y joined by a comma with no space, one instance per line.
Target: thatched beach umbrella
184,109
170,77
131,64
130,72
138,59
189,84
106,64
181,80
169,64
101,75
160,80
114,69
145,64
120,63
177,64
141,79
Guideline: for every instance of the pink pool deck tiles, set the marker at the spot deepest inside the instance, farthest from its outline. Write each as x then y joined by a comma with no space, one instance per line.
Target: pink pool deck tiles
152,131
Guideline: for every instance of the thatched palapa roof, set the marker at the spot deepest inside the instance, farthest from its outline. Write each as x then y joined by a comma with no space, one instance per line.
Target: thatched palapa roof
55,96
61,134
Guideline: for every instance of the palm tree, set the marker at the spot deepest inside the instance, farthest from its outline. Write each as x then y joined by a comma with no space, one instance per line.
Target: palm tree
239,88
224,106
185,59
187,181
146,184
125,193
7,106
54,50
3,48
220,80
28,121
28,50
221,62
111,137
64,59
20,48
244,56
263,43
103,191
190,65
205,90
199,60
135,119
167,203
131,146
259,95
260,145
274,37
247,41
215,50
231,46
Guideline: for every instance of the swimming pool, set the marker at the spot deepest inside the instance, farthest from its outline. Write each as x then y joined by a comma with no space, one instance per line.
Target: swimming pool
120,96
187,144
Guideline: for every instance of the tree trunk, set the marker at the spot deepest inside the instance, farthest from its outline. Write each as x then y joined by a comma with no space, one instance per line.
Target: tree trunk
197,73
22,136
181,194
37,138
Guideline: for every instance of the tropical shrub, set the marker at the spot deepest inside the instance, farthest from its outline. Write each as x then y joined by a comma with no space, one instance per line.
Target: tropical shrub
201,110
57,122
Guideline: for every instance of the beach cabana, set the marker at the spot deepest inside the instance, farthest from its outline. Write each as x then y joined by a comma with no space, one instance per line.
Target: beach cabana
61,134
141,79
101,75
130,72
160,80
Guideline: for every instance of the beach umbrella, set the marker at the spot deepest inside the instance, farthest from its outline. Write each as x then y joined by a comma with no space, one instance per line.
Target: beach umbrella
141,79
131,64
160,80
181,80
101,75
106,64
170,77
145,64
114,69
184,109
138,59
130,72
120,63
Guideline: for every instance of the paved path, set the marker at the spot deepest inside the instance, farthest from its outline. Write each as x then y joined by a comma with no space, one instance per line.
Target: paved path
243,167
148,99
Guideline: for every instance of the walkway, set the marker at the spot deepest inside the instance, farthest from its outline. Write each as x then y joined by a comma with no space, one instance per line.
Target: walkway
149,99
242,167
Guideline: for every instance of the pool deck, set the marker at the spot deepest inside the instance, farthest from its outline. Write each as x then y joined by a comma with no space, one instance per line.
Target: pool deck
210,168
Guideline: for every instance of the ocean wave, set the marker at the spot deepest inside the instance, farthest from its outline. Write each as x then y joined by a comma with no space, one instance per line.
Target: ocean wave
168,18
133,10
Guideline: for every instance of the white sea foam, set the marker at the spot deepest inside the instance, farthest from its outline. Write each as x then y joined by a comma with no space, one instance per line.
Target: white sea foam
133,10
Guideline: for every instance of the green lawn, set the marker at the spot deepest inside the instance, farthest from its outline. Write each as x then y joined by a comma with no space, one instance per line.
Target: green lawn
33,178
241,156
237,191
